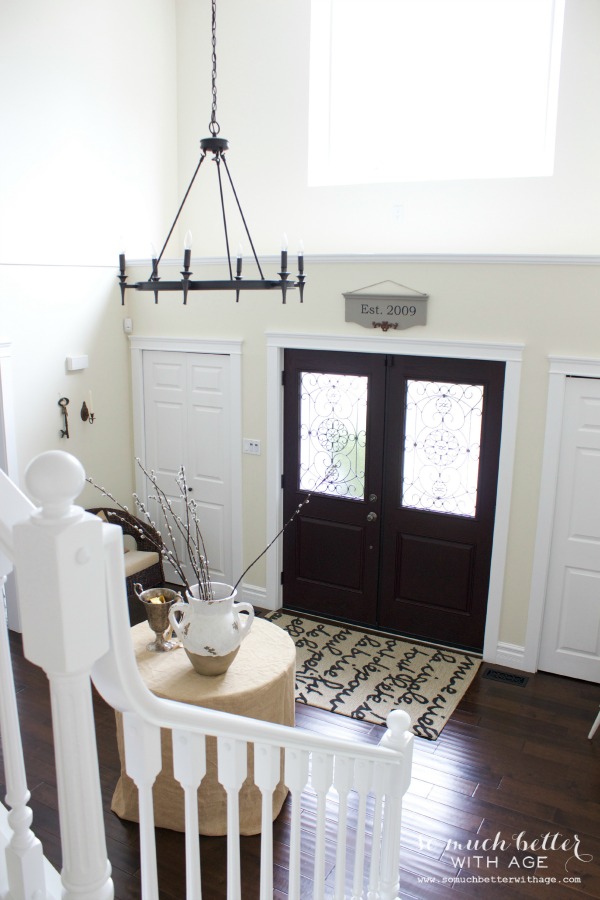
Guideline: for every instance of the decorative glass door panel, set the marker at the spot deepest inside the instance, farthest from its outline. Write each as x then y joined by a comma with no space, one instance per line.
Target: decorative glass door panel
442,435
333,446
333,434
416,442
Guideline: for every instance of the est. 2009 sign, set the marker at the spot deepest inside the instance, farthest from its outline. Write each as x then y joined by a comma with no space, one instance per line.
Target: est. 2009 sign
386,305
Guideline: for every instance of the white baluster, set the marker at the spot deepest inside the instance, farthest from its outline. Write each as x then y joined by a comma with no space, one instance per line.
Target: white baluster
320,778
380,776
65,630
363,774
267,772
233,767
143,763
189,768
296,776
24,853
399,738
342,781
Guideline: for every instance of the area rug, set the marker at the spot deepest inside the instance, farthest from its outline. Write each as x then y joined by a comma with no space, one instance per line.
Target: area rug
364,675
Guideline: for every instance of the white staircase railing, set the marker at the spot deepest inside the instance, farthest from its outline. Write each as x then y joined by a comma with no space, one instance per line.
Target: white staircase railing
76,627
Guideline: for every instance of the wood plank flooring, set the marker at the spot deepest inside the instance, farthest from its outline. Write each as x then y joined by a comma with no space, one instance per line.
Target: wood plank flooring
513,761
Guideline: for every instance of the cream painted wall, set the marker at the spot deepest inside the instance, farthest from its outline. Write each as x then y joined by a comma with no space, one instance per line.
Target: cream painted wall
114,85
551,309
88,157
263,56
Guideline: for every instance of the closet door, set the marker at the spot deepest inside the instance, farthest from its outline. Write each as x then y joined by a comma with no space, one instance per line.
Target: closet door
187,399
570,642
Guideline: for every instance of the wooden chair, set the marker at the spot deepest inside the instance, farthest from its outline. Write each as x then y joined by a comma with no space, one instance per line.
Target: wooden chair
143,561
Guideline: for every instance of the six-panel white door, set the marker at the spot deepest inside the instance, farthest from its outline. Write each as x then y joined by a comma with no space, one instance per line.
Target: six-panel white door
570,642
187,400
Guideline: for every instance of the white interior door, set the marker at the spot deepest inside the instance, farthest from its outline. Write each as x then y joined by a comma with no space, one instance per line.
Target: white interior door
187,399
570,643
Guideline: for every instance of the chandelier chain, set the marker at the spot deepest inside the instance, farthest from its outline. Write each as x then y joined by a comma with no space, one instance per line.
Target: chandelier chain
214,125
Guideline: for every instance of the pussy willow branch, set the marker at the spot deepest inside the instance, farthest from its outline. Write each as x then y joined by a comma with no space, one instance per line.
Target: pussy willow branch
190,530
155,538
325,478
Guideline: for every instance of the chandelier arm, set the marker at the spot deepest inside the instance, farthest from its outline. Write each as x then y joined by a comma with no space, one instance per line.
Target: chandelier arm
218,159
243,218
181,205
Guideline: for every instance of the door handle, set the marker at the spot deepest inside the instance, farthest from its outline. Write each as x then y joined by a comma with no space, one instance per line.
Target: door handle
372,517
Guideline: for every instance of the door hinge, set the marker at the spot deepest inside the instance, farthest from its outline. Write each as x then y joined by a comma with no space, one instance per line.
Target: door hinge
282,481
283,377
281,578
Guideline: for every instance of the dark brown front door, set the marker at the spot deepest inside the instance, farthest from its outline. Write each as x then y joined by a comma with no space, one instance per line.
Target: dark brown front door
333,430
443,423
401,457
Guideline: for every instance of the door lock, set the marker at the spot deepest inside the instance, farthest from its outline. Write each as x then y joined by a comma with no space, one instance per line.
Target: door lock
372,498
372,517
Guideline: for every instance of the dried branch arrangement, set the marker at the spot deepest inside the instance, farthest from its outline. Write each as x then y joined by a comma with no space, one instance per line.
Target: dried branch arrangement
188,527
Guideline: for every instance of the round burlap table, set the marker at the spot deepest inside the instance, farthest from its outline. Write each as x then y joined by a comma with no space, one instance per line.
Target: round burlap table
259,684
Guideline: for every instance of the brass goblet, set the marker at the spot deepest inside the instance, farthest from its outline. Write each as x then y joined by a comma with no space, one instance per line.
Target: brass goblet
157,612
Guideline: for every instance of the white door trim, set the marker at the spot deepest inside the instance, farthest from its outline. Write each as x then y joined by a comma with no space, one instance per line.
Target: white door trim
560,368
511,354
8,462
230,348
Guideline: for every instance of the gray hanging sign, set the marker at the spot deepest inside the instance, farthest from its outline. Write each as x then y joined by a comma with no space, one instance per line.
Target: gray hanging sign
386,305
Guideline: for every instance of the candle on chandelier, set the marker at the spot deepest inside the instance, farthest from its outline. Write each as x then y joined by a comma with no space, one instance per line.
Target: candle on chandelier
301,258
284,248
187,249
238,267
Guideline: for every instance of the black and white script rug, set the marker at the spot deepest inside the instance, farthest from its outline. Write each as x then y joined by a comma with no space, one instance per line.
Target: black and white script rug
366,676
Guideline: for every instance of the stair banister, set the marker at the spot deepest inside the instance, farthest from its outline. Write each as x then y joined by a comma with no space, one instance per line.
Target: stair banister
75,593
58,554
24,853
117,678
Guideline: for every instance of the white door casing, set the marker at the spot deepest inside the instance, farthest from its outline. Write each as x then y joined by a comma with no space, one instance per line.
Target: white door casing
8,462
187,411
570,634
511,354
560,368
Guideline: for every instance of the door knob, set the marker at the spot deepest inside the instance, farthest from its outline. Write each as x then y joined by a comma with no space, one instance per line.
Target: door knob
372,517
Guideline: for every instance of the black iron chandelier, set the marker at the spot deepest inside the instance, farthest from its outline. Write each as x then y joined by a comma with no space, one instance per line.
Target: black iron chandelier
217,146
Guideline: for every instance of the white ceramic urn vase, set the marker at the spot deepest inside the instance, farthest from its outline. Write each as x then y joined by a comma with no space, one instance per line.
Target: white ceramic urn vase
211,631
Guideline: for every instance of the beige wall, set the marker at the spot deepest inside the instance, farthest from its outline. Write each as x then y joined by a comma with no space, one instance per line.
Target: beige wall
550,309
118,91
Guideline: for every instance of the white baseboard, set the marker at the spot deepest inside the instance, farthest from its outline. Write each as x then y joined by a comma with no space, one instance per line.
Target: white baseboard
255,595
510,655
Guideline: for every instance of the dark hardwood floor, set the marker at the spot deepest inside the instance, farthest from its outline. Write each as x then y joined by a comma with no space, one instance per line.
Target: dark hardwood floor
512,766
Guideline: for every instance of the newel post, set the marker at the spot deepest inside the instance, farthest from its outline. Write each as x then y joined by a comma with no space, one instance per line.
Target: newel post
60,577
396,782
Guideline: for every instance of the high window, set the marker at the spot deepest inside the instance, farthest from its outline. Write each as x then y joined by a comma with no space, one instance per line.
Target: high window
409,90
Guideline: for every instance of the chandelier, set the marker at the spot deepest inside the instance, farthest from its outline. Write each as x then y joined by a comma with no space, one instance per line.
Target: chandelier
217,146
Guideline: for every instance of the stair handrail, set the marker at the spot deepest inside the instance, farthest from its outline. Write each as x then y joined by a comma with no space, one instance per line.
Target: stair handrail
76,627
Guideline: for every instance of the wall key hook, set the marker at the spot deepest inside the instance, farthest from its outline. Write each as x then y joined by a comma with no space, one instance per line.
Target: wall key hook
63,403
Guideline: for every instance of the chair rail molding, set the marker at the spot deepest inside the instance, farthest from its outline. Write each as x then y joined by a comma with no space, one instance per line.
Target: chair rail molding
511,354
560,368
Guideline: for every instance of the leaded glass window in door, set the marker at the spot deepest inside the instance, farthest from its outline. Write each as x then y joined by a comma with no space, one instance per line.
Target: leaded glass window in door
333,423
441,447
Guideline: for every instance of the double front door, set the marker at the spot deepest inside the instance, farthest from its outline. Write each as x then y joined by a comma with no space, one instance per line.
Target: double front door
398,457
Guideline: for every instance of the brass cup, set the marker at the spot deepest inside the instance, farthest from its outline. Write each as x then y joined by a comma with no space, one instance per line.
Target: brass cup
158,615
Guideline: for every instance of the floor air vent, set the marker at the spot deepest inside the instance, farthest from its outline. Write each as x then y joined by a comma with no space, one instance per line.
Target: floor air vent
506,677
